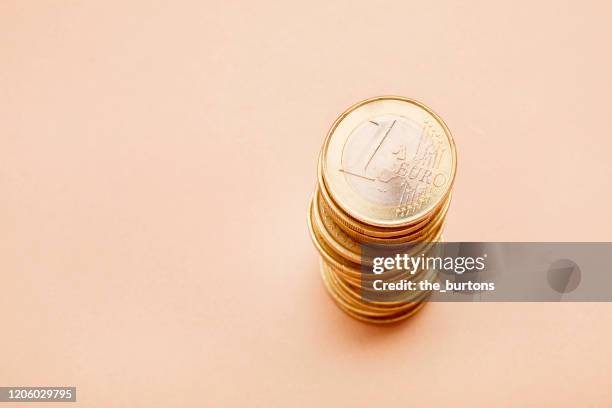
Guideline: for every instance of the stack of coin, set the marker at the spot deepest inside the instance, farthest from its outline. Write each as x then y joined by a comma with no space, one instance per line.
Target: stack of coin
385,177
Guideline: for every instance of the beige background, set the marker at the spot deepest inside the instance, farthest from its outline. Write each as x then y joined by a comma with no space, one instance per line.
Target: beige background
156,159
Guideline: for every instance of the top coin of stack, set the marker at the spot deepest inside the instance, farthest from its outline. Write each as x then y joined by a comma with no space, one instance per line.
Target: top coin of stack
385,176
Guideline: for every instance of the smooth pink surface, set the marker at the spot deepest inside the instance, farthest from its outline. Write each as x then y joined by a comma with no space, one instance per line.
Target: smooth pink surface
156,160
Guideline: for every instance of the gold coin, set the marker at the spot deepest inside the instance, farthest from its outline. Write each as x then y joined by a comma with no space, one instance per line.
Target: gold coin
397,302
346,267
351,273
349,270
388,161
341,243
361,231
411,235
348,248
356,312
359,306
385,175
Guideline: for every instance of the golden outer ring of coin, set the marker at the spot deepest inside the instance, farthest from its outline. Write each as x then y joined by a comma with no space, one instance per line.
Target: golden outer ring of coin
338,236
352,226
360,239
365,232
341,220
355,225
406,108
357,316
338,241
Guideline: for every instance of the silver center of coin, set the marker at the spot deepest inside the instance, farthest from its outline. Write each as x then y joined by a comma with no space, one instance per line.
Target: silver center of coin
391,160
